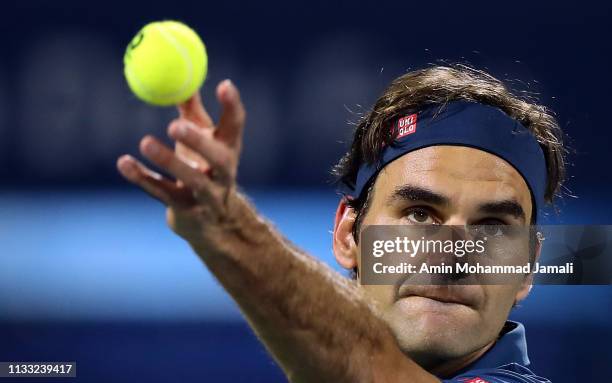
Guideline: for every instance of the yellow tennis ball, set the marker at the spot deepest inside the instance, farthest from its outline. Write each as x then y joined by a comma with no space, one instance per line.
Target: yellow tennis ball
165,63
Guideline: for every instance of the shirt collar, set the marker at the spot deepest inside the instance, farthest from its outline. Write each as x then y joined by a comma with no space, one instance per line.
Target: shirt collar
510,347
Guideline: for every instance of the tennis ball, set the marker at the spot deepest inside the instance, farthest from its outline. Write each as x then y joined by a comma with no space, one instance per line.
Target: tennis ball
165,63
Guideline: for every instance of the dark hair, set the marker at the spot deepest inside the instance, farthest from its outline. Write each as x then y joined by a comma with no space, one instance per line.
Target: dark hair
438,85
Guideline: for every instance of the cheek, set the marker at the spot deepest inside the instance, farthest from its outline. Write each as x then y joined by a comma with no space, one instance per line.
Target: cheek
498,302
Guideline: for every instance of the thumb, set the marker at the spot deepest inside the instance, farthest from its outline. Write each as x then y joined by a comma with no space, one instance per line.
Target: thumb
194,111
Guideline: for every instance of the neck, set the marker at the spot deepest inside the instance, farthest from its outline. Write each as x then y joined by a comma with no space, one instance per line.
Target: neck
448,367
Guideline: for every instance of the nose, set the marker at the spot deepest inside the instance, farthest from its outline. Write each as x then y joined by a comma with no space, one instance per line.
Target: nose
455,230
456,220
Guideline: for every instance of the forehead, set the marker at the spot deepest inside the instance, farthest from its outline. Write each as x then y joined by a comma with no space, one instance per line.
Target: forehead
461,173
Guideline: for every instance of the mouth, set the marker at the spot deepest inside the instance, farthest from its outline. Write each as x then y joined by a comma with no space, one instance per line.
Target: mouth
444,295
444,300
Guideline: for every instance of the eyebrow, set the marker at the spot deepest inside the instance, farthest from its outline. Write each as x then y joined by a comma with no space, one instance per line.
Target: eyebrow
506,207
417,193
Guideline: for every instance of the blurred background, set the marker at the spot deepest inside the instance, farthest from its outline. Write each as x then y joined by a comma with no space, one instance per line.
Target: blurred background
90,273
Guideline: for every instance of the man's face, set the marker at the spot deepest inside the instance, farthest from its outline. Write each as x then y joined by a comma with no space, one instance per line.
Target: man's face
447,185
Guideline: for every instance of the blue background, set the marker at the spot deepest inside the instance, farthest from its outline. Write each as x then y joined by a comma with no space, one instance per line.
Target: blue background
88,270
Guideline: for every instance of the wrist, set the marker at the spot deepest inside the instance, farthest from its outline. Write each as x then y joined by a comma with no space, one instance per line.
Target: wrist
237,224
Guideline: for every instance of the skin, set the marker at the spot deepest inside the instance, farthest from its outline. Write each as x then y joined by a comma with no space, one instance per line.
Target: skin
328,328
442,336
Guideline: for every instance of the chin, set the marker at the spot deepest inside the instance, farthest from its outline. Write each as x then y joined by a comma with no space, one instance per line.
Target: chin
435,331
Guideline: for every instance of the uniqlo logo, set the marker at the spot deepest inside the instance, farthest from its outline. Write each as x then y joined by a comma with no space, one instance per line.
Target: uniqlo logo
406,125
475,380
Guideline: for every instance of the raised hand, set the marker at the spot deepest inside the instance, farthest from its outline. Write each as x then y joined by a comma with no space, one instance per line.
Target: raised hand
204,164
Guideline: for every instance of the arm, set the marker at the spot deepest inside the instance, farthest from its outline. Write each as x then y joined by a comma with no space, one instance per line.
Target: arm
318,325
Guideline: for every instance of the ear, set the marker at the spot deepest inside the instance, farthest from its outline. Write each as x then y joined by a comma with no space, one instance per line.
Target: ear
345,248
528,282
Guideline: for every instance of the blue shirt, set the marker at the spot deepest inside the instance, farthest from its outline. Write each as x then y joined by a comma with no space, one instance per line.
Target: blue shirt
505,362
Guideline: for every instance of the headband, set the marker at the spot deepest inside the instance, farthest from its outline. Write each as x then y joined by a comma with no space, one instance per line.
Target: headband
470,124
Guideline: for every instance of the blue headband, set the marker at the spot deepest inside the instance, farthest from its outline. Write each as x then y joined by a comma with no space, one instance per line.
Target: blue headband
469,124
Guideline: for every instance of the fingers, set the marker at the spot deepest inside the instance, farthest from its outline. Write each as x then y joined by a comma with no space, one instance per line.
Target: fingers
201,153
153,183
233,116
190,174
231,123
219,156
194,110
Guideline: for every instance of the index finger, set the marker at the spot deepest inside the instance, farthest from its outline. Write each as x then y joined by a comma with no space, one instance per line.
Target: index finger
194,111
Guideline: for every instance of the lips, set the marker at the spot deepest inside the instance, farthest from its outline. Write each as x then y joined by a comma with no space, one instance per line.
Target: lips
466,295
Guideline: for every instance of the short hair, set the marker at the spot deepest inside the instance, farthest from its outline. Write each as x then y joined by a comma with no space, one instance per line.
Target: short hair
439,85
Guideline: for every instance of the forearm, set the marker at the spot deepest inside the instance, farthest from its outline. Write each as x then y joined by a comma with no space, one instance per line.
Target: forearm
291,300
316,324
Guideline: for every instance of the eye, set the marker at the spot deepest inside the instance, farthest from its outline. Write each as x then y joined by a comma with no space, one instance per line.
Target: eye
493,228
420,216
